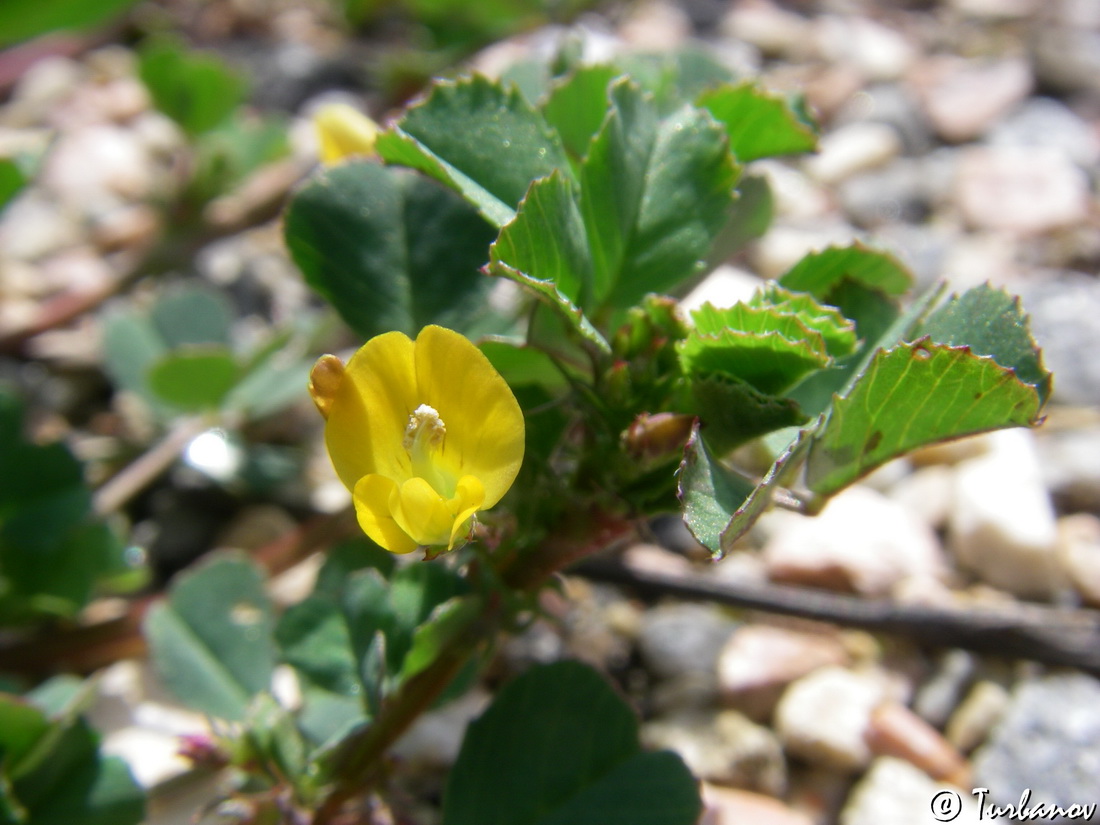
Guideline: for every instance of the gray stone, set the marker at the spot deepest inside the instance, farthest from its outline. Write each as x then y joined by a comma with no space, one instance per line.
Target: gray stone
895,105
1079,552
1049,123
1067,58
1063,311
888,195
678,639
1048,741
1069,466
963,98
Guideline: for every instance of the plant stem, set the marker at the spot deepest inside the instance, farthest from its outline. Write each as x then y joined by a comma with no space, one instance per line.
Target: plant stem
357,764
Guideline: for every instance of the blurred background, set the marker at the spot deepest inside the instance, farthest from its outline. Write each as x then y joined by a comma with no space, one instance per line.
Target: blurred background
152,322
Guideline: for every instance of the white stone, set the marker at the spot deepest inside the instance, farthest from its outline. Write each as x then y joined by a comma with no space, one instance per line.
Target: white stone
861,542
964,98
723,288
878,52
795,195
33,226
1079,553
98,160
1002,523
926,493
854,148
784,245
771,29
1022,190
759,661
823,717
895,792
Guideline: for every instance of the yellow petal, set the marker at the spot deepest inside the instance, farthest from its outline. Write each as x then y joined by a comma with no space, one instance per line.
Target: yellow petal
469,496
344,132
368,414
484,421
421,512
372,507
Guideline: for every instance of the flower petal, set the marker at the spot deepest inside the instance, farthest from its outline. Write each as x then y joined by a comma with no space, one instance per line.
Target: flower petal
370,409
469,496
484,422
372,507
421,512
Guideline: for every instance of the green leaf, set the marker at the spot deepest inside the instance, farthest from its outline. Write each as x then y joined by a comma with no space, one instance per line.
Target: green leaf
22,726
749,219
768,361
676,77
991,322
568,311
559,747
838,334
197,90
909,396
759,124
24,19
389,249
131,345
654,195
486,142
546,240
53,550
417,590
192,315
211,640
734,412
313,637
436,632
194,378
521,365
77,784
818,272
709,493
577,105
762,495
12,180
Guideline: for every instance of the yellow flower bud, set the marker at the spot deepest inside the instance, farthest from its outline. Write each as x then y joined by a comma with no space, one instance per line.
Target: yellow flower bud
344,132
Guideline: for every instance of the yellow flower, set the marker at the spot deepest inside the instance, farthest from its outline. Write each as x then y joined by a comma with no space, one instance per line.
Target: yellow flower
423,433
343,132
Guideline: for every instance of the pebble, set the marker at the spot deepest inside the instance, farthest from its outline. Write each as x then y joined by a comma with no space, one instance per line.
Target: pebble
824,717
896,792
655,25
1063,309
683,640
1047,741
896,105
795,195
34,226
1079,553
760,661
854,148
894,193
773,30
926,493
1023,190
785,244
1002,522
723,747
862,542
894,730
1067,58
1048,123
963,98
942,690
724,287
977,715
97,161
732,806
879,53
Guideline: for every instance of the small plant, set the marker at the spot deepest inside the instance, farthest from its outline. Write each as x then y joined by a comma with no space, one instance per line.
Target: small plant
555,222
